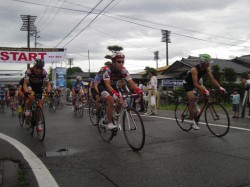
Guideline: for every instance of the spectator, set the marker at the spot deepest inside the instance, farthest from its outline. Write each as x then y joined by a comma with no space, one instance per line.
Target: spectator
235,97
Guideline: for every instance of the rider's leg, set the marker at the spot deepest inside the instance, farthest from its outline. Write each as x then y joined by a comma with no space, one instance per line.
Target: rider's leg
110,107
29,100
191,101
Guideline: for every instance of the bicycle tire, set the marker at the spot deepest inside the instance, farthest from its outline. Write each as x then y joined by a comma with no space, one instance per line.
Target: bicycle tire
52,105
134,133
106,135
31,123
182,116
40,115
21,117
92,112
217,119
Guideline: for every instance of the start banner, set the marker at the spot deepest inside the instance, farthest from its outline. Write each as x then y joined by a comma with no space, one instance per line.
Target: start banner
29,55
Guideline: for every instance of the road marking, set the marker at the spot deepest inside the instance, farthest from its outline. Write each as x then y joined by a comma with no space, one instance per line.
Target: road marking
173,119
42,174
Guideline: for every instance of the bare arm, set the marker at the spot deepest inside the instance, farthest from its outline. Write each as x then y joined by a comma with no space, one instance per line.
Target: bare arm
132,84
211,77
108,86
25,85
194,73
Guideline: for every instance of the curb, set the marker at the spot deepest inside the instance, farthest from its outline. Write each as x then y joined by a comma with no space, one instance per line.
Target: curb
8,173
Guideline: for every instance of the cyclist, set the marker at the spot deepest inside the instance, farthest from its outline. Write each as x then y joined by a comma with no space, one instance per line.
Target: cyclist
192,81
12,92
35,77
107,87
77,88
2,95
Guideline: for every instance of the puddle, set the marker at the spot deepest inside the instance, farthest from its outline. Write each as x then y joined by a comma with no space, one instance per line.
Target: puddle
61,152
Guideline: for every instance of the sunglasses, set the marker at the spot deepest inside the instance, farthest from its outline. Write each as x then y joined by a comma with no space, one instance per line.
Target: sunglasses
120,62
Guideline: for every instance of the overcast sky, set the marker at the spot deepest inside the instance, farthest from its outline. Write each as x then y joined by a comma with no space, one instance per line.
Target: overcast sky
218,27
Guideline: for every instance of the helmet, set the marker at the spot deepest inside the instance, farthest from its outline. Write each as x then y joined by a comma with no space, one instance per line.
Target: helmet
117,54
39,63
205,58
78,78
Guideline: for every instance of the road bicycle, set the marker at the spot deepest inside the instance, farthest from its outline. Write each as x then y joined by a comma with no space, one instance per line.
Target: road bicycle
36,118
78,107
12,105
52,102
216,116
2,104
126,119
92,111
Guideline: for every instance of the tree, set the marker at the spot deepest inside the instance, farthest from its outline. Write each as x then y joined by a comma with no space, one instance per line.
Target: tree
229,74
92,75
113,48
73,70
50,73
147,69
216,72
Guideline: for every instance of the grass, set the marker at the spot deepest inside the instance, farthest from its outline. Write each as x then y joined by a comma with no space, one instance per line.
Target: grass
21,179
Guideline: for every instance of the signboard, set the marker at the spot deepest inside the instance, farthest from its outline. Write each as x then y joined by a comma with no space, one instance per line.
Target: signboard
171,82
28,55
60,77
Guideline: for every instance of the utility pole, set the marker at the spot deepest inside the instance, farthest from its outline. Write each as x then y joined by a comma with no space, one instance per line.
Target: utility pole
89,63
156,57
28,25
165,38
70,62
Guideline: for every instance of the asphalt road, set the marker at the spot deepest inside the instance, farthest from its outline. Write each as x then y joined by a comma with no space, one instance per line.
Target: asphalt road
75,155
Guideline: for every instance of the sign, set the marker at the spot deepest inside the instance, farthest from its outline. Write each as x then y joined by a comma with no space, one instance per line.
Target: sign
60,77
28,55
169,82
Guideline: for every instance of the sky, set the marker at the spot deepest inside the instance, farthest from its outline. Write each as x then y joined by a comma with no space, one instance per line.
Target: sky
85,28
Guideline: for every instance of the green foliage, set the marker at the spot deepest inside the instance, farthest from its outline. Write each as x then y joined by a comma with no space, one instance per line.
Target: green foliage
229,74
216,72
50,73
92,75
114,48
107,63
147,70
69,83
73,70
244,75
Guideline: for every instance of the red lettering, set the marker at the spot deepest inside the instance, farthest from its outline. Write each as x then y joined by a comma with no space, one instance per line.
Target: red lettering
4,55
14,55
42,55
32,56
22,56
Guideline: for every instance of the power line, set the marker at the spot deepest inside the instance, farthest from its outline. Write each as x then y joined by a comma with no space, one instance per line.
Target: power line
174,33
80,22
89,23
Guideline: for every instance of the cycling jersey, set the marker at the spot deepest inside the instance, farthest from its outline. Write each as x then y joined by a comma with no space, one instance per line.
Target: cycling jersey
36,81
12,92
188,81
114,75
2,94
77,86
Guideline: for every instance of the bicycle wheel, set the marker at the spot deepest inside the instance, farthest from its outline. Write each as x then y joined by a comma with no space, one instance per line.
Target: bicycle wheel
40,120
217,119
106,135
182,116
21,117
30,123
133,129
92,112
52,105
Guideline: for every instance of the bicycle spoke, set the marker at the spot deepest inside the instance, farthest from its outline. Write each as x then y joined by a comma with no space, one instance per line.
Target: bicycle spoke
217,119
182,116
133,129
40,123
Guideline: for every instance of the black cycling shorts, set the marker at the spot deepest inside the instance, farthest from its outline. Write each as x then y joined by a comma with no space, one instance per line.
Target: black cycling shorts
188,87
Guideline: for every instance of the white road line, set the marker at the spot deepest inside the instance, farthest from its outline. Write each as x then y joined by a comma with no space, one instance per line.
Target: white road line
42,174
173,119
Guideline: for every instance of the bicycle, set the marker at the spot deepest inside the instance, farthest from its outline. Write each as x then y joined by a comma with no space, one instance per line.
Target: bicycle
52,102
12,105
132,124
2,104
92,111
78,107
36,118
216,116
21,114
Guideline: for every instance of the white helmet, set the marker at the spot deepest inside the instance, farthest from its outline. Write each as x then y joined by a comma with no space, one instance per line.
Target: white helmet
78,78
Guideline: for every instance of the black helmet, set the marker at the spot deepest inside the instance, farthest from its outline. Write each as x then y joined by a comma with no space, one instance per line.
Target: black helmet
39,63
